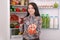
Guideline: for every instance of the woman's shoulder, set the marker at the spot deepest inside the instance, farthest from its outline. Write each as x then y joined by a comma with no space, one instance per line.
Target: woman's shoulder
37,17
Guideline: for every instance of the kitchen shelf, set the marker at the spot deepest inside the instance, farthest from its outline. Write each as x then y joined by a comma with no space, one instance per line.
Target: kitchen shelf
20,6
13,21
17,12
50,28
15,32
47,0
20,14
48,8
16,36
14,28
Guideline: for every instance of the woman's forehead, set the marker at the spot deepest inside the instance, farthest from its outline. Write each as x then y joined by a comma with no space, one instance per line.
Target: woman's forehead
30,5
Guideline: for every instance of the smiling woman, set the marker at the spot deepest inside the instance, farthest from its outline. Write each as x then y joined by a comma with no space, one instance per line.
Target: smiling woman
32,24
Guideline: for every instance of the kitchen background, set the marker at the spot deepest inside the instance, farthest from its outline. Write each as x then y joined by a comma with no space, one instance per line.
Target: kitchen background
46,34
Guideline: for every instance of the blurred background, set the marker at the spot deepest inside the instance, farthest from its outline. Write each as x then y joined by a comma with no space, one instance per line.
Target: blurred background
12,10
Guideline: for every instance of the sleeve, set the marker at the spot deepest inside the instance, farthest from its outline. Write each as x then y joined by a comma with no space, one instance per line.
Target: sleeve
25,26
39,25
40,22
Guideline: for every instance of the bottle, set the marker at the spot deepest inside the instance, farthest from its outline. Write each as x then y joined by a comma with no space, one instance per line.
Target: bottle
25,2
43,20
51,21
19,2
22,2
13,8
56,22
47,21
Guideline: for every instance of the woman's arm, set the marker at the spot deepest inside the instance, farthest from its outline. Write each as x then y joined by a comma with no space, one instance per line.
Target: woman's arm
40,22
39,25
25,25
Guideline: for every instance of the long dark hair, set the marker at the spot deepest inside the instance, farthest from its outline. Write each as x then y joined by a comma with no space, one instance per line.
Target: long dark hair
35,7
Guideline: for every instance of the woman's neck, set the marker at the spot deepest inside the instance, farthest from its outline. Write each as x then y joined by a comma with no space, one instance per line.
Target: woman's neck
32,15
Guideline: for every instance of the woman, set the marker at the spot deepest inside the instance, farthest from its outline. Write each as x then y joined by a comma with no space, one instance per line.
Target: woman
32,23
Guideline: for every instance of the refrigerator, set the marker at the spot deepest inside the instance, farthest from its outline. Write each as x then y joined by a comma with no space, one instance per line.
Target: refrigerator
18,11
49,12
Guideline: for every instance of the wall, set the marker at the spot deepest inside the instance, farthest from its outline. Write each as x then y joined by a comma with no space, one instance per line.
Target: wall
4,15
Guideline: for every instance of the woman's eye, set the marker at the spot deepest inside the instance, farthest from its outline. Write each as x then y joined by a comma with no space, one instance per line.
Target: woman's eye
30,8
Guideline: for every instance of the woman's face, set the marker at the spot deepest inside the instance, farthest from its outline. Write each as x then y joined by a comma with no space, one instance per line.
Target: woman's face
31,10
